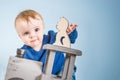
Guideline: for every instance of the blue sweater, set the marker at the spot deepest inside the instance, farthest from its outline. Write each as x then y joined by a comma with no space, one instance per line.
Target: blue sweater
31,54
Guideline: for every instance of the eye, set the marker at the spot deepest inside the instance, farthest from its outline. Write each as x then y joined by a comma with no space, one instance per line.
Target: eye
26,33
37,29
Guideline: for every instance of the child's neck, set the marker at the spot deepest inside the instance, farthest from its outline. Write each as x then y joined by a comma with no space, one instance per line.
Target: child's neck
38,48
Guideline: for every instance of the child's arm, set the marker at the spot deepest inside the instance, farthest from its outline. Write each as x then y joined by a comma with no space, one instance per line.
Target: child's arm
72,33
71,28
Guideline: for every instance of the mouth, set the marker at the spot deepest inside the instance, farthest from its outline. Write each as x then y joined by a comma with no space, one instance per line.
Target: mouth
33,40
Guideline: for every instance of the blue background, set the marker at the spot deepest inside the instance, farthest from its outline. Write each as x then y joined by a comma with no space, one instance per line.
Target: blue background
98,39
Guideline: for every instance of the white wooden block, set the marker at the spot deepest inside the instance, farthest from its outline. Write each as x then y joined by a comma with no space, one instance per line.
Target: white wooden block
23,69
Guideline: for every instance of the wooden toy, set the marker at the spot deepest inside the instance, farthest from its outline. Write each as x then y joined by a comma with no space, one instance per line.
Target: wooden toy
23,69
62,38
62,44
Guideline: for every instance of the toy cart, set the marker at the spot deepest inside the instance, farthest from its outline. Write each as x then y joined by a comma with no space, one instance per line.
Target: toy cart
23,69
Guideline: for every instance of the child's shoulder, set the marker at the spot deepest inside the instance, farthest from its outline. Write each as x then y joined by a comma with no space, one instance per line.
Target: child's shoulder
51,33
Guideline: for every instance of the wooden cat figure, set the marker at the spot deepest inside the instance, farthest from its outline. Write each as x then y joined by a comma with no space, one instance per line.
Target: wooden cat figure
62,38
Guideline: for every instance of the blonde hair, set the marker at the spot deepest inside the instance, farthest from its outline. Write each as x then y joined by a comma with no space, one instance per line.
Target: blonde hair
26,14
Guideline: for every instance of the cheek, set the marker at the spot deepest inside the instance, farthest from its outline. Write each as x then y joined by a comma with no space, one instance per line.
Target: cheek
24,39
40,36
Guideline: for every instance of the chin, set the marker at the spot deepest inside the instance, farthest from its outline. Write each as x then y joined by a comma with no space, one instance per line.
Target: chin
35,45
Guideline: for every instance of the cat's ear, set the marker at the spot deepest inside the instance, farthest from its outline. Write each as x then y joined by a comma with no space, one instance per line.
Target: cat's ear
63,24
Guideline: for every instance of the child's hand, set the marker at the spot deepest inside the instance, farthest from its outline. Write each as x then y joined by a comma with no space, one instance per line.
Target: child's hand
71,28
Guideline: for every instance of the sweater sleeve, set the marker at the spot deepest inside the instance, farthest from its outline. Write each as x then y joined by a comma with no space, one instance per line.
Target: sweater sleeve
51,37
73,36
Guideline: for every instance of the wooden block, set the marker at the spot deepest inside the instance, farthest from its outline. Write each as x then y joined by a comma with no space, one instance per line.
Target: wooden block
66,67
50,77
49,62
71,67
23,69
63,49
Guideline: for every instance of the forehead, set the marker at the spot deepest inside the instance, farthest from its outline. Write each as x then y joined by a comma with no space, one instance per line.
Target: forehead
24,24
31,21
34,21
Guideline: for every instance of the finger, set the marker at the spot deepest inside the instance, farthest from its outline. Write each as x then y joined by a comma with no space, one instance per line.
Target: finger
73,25
68,31
72,28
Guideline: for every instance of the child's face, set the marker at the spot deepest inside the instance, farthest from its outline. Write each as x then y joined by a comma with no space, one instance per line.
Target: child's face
31,32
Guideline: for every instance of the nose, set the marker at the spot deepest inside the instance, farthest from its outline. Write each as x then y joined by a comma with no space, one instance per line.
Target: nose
32,34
